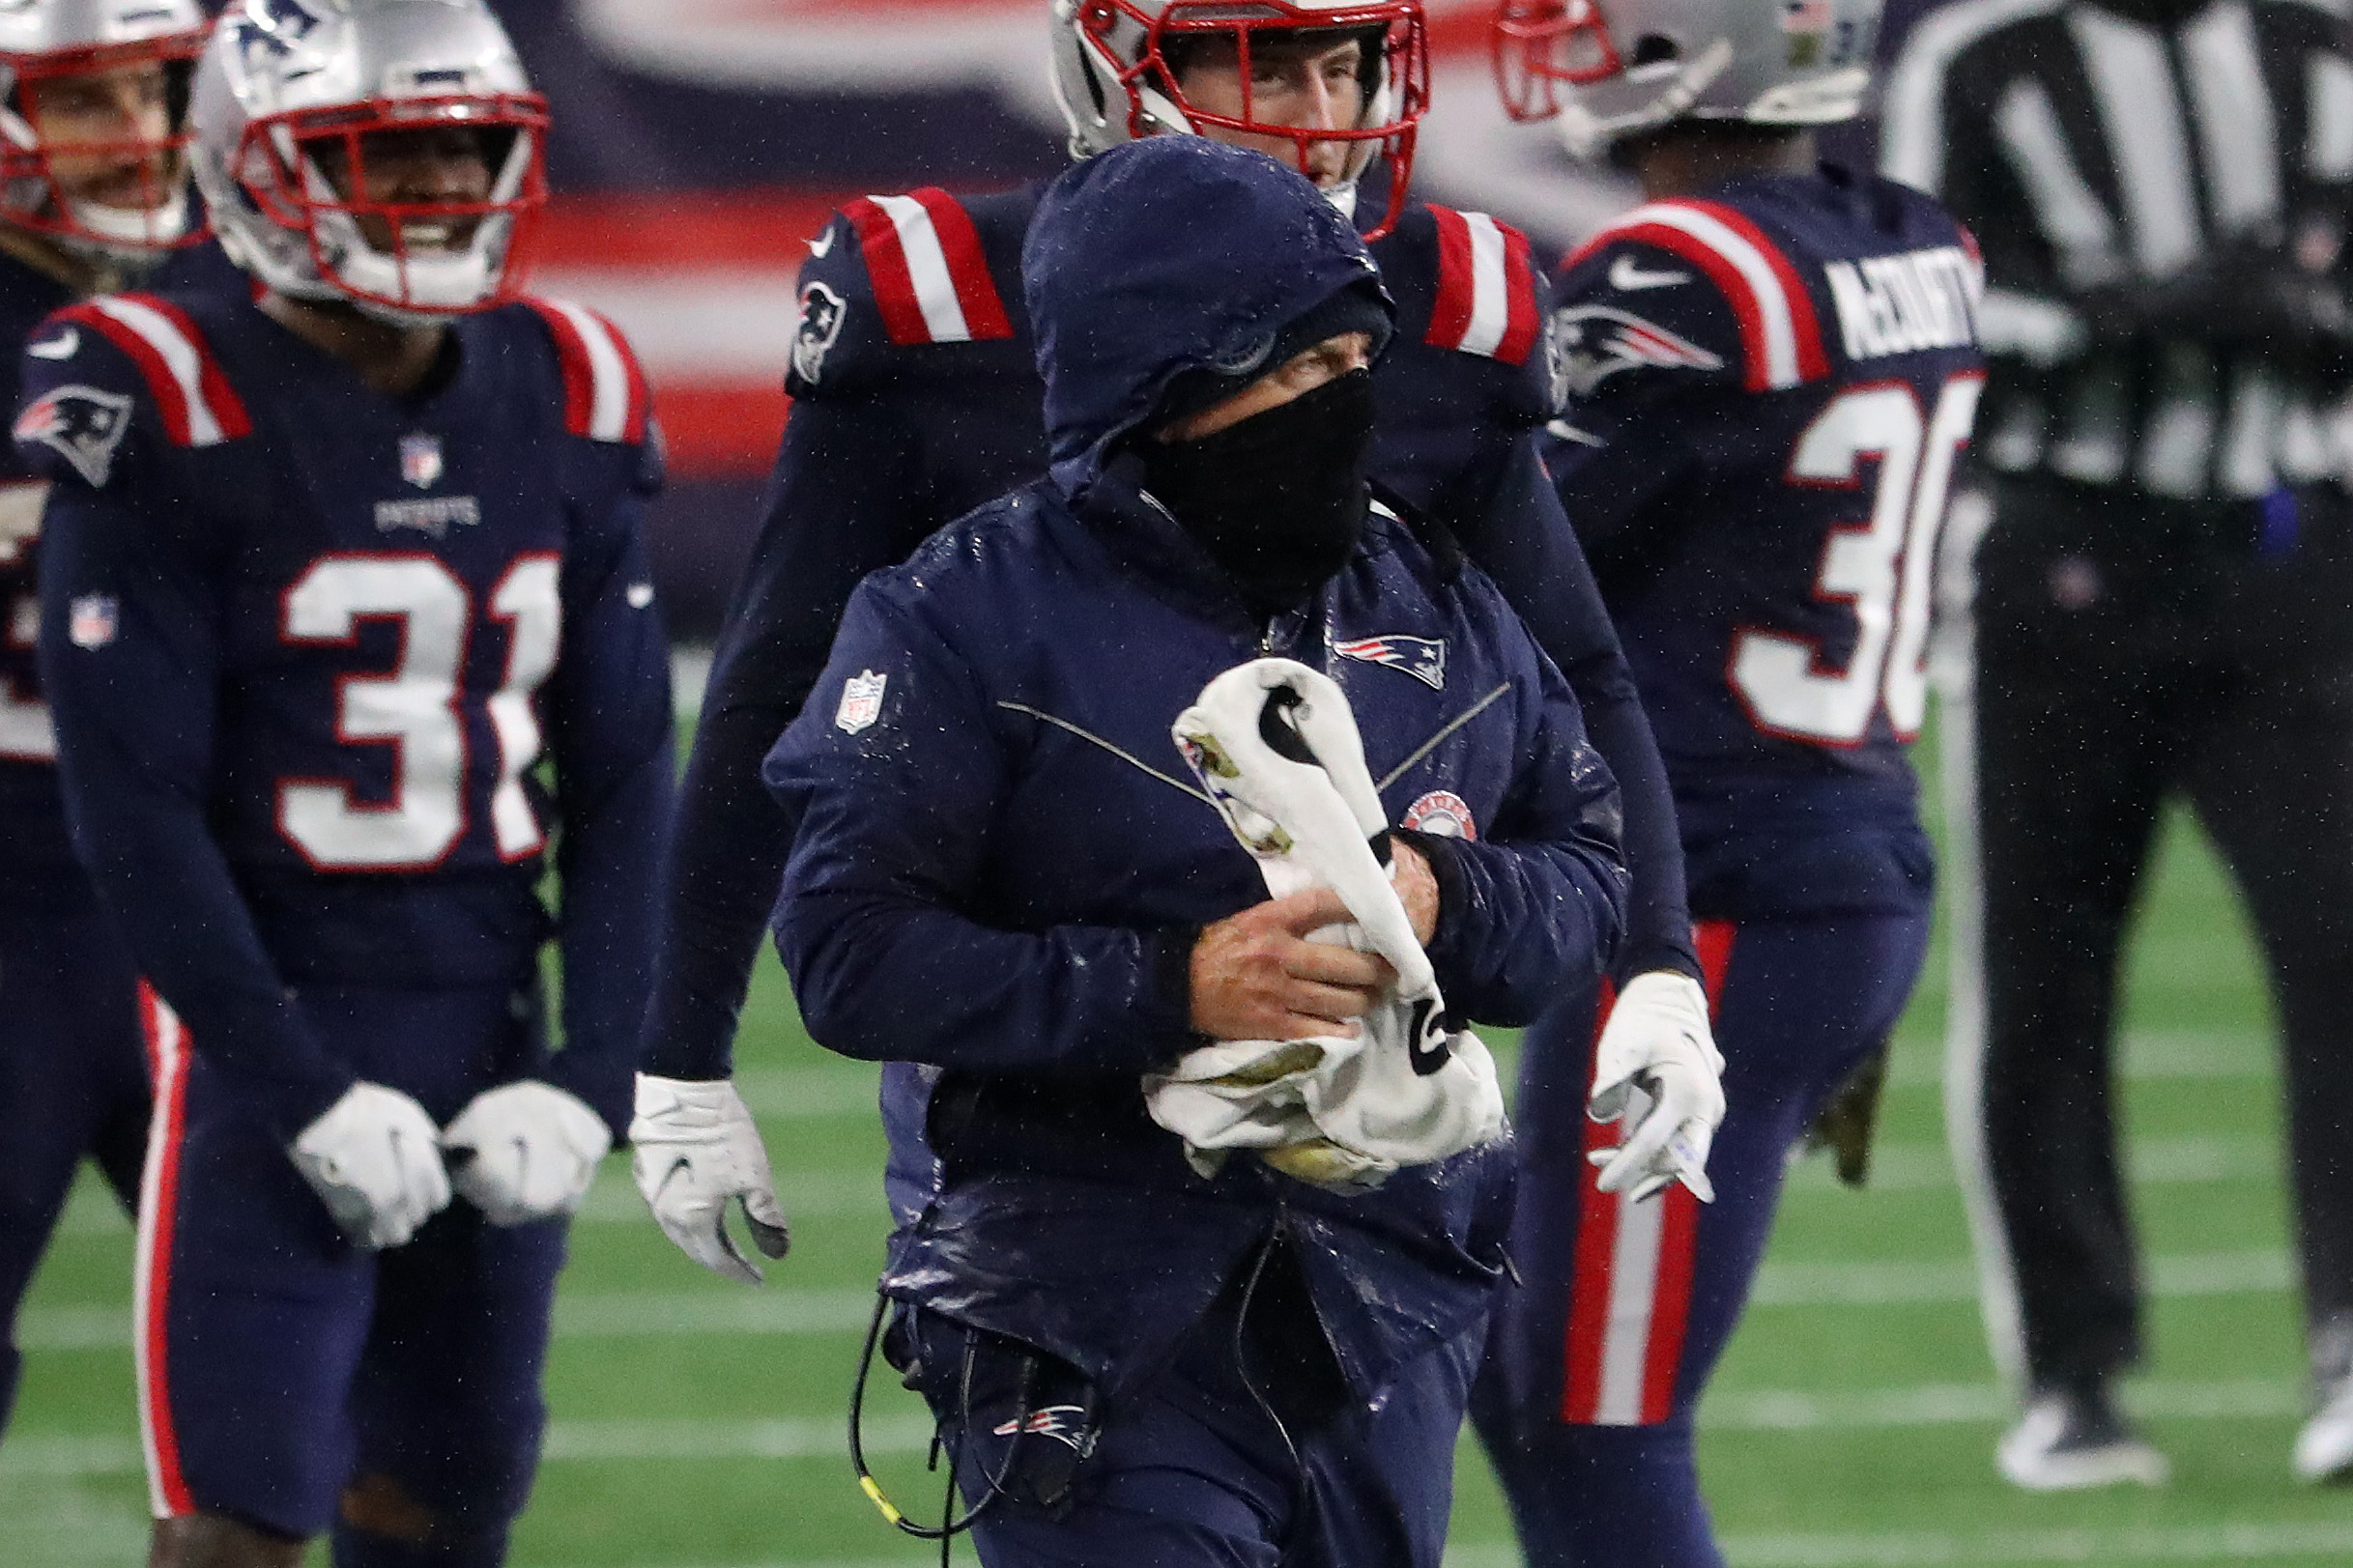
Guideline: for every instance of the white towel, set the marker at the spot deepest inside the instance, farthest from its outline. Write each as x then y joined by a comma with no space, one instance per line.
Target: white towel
1343,1113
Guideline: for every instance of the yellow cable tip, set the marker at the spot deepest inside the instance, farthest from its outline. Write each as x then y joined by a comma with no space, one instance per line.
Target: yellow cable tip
874,1492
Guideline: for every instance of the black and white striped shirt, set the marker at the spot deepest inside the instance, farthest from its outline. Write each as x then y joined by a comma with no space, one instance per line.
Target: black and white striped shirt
2088,149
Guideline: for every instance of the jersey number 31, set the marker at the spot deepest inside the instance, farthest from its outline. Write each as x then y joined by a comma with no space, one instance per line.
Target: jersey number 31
1884,568
418,709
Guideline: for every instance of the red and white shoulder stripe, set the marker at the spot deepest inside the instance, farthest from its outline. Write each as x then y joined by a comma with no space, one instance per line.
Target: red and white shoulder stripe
931,276
604,395
198,406
1486,300
1780,335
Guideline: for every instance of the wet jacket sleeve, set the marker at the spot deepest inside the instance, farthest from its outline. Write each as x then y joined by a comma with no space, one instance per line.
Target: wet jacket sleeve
842,503
131,634
1525,544
894,812
1535,910
609,731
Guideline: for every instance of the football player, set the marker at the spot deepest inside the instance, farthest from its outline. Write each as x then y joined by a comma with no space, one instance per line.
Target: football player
93,191
331,566
917,397
1769,370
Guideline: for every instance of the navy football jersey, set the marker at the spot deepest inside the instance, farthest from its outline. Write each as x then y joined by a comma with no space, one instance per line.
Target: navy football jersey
917,399
33,846
1764,393
306,645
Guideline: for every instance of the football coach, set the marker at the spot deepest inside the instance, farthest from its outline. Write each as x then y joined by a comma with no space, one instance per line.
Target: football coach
1005,886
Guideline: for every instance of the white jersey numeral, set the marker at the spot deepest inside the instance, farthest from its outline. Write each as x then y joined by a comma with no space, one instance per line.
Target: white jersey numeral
526,600
417,709
1883,568
26,734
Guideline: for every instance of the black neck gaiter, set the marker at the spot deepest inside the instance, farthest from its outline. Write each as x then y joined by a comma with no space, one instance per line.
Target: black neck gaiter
1278,499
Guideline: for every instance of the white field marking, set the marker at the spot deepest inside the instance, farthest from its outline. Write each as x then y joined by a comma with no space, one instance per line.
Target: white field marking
637,1441
1786,1410
1924,1166
803,1437
774,1310
2196,1543
2146,1057
690,671
1953,1279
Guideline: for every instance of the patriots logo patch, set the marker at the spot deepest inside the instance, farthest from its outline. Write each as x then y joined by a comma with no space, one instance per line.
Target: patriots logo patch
82,423
1598,341
1066,1424
821,315
1420,657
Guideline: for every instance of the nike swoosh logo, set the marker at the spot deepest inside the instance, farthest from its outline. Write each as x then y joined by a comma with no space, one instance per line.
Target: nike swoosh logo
58,347
821,246
1629,275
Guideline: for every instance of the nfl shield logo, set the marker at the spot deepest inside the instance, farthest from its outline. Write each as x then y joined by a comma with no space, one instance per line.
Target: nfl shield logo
93,620
420,460
861,701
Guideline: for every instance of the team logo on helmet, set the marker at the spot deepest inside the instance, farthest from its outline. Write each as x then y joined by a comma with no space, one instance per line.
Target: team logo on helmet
1597,342
821,315
81,423
1422,657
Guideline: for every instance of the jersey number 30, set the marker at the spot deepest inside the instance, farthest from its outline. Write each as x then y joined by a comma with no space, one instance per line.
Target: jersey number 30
1884,568
417,709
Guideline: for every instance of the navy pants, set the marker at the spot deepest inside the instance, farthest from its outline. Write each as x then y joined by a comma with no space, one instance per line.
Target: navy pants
1247,1452
1595,1367
73,1081
278,1363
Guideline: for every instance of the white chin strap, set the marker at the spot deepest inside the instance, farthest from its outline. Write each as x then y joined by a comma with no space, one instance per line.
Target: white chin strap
432,284
132,228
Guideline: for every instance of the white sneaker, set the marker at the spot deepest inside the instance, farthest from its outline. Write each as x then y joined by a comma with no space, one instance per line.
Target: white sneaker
2070,1440
2324,1448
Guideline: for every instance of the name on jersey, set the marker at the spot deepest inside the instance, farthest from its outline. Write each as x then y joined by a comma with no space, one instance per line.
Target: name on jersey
1905,303
433,516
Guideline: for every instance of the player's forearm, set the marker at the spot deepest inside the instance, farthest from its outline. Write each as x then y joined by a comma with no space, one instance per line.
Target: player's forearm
193,939
611,857
727,860
1658,909
886,979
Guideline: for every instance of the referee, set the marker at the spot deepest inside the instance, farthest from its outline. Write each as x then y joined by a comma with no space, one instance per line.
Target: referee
2164,603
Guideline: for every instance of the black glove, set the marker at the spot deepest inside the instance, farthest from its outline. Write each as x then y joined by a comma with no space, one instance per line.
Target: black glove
1845,1126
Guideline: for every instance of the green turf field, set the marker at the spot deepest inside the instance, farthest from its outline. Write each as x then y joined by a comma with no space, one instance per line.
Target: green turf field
699,1423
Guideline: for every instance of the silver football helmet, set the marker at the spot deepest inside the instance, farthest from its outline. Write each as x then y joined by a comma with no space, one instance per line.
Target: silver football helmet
119,197
290,97
1614,69
1116,81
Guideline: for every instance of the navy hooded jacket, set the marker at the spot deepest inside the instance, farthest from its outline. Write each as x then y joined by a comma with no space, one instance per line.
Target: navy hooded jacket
1000,864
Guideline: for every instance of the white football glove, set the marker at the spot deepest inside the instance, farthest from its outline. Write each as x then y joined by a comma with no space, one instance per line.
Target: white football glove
696,1149
374,1158
525,1151
1657,1045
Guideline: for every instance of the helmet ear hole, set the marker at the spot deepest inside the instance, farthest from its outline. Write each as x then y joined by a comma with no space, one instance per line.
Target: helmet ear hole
1653,49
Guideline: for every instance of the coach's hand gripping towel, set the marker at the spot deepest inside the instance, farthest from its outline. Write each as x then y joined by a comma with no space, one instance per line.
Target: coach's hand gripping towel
1276,746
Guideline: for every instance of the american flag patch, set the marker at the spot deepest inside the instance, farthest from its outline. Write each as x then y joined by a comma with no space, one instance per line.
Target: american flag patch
93,619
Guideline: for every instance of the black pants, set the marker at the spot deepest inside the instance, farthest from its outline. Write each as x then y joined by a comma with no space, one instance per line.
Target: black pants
2127,651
